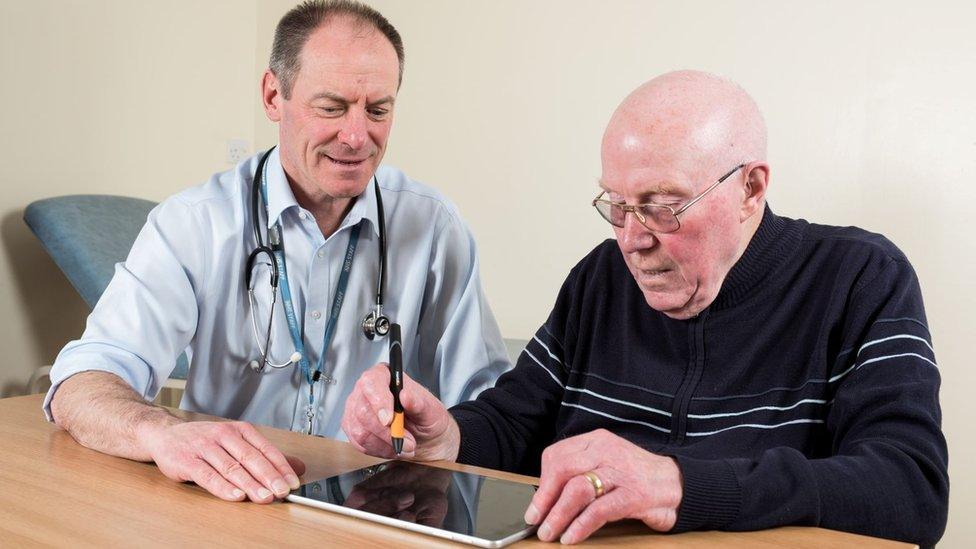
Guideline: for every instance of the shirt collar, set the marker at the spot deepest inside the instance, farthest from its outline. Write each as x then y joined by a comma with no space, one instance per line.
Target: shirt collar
281,198
364,208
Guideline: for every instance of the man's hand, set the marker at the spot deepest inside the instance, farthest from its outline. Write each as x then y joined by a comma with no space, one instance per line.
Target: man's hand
431,432
637,484
230,460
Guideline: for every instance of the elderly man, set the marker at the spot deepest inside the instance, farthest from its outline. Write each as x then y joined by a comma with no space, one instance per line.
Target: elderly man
715,367
269,338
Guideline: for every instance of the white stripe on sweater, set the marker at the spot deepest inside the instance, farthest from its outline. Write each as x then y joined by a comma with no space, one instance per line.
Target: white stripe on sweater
556,358
618,401
880,358
899,336
604,414
755,426
877,359
761,408
693,416
554,378
695,434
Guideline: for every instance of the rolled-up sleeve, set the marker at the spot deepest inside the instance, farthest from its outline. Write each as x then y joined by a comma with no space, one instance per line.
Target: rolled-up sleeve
148,313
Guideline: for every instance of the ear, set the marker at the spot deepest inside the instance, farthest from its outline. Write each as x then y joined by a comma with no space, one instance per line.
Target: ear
271,95
754,189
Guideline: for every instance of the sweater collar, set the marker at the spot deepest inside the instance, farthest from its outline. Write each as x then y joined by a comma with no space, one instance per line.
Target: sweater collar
775,240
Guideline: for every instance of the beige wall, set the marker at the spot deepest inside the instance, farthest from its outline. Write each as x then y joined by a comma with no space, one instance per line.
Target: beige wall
118,97
869,106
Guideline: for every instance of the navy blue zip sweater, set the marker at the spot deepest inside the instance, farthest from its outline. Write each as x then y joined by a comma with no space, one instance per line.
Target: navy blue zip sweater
805,394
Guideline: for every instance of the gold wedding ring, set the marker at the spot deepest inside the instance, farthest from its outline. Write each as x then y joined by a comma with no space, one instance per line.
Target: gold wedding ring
595,481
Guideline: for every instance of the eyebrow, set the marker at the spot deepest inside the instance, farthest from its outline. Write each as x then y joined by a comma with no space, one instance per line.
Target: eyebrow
340,99
664,188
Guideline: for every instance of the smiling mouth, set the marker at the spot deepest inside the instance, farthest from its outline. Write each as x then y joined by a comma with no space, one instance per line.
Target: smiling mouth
350,162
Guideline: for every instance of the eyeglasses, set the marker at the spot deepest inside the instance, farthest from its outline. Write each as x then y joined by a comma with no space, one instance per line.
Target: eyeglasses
657,218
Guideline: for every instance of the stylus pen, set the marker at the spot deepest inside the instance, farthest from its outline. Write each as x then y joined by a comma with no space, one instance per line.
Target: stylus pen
396,384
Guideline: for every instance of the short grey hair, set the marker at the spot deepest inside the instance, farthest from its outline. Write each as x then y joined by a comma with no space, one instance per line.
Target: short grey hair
298,24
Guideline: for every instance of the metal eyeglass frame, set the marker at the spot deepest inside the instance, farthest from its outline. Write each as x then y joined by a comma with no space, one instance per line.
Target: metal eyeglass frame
635,209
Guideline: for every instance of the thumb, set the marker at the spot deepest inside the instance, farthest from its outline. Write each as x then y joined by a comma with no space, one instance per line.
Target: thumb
422,408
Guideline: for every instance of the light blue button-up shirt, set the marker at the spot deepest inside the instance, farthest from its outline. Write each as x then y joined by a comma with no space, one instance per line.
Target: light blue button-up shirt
182,289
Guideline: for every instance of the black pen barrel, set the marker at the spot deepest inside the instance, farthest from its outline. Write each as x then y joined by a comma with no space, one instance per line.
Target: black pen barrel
396,384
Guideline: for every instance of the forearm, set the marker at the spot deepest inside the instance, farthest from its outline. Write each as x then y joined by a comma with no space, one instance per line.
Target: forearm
103,413
509,425
880,491
502,431
477,443
887,476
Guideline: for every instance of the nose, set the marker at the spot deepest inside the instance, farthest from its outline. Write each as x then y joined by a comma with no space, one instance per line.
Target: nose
634,236
353,131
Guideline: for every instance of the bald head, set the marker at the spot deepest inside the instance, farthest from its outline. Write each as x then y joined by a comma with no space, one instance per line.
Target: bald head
671,141
690,119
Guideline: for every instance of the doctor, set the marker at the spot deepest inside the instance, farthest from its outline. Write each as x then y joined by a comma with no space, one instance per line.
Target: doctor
323,203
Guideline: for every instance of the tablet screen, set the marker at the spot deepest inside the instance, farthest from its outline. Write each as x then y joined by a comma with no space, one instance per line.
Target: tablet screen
460,503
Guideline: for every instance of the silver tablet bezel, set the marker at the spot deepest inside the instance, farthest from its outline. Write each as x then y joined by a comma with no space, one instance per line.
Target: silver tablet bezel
429,530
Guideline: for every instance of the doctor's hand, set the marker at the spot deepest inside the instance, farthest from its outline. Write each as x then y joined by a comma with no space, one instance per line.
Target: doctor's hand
231,459
430,431
636,484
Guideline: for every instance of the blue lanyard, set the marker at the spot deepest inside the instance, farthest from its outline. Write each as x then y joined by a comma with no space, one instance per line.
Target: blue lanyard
296,334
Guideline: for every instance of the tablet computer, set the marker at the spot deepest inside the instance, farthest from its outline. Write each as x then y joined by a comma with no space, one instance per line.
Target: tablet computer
464,507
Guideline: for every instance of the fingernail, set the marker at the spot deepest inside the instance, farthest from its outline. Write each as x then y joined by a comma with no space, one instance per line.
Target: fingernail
293,481
531,514
280,488
263,493
567,539
237,493
544,532
385,416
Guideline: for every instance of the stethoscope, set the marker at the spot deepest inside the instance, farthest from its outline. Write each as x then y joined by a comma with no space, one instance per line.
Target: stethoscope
375,324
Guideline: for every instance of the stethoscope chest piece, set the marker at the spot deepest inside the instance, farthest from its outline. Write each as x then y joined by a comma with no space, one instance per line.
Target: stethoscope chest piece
375,324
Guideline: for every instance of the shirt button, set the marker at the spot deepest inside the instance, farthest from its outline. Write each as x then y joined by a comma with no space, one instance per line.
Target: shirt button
316,315
321,254
304,216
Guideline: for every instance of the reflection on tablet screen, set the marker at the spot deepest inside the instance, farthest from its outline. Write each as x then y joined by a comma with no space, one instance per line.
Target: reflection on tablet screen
463,503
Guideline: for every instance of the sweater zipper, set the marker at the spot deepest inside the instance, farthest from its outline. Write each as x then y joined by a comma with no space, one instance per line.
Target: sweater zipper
693,375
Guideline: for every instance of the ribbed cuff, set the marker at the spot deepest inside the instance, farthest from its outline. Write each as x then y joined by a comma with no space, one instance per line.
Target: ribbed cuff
471,450
711,496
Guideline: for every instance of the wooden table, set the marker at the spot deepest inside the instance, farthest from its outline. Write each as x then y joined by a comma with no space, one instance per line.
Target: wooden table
53,491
